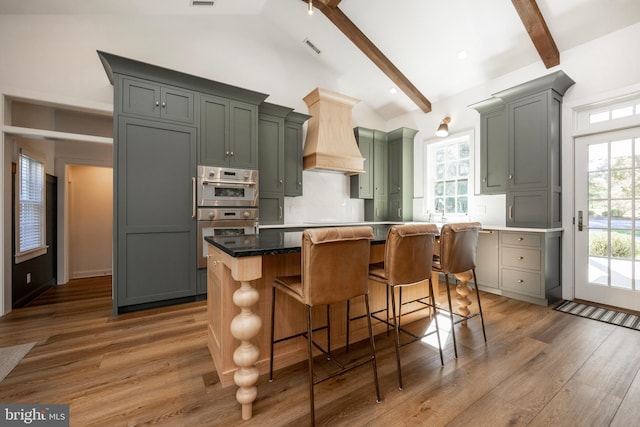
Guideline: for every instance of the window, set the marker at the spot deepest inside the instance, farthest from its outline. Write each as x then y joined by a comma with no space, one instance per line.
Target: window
626,107
448,176
30,205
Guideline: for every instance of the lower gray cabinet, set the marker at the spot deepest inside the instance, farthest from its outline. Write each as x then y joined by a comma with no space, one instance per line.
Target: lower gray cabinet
271,209
520,265
530,266
155,234
488,260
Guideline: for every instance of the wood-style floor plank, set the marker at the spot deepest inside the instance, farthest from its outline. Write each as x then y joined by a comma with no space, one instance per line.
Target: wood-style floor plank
539,367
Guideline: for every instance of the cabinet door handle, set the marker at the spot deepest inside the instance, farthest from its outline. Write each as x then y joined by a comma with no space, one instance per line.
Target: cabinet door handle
157,103
226,153
520,281
280,208
164,104
484,179
520,239
232,154
399,212
510,211
193,195
520,257
279,181
510,176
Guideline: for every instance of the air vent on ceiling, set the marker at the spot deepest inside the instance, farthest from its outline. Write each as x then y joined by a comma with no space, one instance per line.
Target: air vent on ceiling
311,45
202,3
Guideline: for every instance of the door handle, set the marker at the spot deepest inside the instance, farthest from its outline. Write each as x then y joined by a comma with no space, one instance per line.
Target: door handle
193,197
580,221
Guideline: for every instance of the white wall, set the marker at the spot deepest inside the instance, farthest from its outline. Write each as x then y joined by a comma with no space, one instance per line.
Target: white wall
90,193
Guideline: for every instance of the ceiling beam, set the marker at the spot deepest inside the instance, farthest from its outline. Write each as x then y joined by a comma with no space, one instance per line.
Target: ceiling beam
330,9
538,31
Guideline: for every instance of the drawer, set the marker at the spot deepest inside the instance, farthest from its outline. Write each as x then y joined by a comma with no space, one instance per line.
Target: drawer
531,259
523,282
521,239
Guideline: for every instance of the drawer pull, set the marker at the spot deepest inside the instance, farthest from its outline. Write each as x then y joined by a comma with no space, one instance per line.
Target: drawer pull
520,257
520,281
520,239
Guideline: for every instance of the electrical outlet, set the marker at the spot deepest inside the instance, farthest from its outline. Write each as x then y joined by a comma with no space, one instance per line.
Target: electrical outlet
28,278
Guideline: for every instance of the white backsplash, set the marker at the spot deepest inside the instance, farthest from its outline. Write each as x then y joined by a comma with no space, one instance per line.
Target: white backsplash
326,198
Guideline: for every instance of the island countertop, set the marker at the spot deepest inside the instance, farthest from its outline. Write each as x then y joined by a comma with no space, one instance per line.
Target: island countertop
273,241
281,239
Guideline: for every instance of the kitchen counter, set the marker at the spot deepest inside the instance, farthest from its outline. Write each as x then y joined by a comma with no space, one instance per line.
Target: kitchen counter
240,273
273,241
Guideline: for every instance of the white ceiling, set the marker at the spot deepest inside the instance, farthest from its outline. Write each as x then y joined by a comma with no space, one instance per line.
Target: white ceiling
421,37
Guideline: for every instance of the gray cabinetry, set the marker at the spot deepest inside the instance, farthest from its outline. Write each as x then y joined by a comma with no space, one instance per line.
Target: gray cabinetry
362,184
493,146
376,208
151,99
293,153
155,231
229,133
531,121
165,122
401,174
488,260
271,134
530,266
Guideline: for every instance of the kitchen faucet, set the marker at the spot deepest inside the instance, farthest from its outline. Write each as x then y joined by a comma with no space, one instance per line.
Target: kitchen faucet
440,207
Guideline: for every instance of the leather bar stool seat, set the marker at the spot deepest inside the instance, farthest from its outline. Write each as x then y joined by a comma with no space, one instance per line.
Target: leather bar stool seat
407,262
335,263
458,246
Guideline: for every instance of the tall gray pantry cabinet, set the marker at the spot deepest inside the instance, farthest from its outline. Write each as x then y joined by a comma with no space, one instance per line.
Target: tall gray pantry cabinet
158,143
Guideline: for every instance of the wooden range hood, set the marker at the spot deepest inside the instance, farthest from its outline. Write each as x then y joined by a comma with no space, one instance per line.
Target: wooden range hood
331,144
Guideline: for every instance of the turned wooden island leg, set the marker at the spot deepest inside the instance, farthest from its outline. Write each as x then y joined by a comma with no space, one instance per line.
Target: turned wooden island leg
244,327
463,292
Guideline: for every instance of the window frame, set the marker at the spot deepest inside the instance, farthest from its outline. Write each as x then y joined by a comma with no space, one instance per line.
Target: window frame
429,175
41,249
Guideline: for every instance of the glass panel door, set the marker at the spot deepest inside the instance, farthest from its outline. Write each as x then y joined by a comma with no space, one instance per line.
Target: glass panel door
607,201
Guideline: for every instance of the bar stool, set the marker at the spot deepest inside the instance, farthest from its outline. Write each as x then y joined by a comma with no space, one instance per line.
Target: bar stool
458,244
407,262
335,263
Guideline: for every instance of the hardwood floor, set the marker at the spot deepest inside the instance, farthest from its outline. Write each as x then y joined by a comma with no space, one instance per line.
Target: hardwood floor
539,367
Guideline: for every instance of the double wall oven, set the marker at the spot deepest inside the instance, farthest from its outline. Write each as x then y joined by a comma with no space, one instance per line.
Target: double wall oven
227,204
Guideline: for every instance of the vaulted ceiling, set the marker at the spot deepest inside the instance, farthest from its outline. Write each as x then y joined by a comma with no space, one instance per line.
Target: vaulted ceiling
412,45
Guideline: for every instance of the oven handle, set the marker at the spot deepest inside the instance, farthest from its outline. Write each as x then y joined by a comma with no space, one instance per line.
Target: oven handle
243,184
193,197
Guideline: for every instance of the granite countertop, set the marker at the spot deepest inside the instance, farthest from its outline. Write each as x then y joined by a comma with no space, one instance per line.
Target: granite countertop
272,241
281,239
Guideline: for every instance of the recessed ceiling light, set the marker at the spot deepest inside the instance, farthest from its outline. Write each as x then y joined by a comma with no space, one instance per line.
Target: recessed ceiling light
462,54
393,90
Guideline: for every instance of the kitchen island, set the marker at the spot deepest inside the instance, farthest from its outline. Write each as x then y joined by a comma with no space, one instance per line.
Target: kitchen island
240,271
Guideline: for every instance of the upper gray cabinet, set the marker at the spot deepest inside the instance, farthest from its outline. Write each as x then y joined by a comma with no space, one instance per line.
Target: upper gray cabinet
271,132
401,174
229,133
362,184
524,136
293,153
150,99
493,146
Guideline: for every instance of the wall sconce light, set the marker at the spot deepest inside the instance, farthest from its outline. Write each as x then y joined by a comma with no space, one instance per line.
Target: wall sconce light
443,129
310,10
